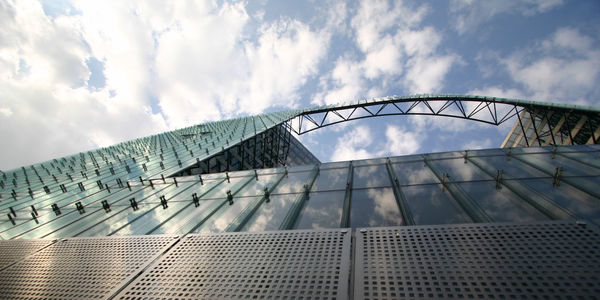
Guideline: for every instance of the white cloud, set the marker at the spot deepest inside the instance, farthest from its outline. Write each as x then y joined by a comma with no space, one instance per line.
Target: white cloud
426,74
400,141
563,68
396,51
208,68
468,15
478,144
49,110
199,60
353,145
360,143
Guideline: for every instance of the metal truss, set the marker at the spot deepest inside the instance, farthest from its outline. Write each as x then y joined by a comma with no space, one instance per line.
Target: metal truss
489,110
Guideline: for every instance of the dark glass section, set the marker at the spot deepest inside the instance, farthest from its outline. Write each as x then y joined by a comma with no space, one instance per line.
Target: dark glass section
458,170
271,214
374,207
331,179
501,205
431,204
274,147
511,168
371,176
414,173
572,199
219,221
293,182
322,210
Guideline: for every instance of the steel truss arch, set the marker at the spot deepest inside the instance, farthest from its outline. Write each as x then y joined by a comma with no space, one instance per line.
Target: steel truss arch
556,123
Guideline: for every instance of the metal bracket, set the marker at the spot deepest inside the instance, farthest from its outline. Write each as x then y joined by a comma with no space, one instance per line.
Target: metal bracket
557,176
499,179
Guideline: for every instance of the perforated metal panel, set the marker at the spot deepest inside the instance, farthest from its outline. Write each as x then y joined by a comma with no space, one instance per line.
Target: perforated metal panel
12,251
493,261
83,268
266,265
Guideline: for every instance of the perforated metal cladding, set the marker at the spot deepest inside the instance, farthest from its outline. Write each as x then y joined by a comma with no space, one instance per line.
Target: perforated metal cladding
84,268
14,250
491,261
266,265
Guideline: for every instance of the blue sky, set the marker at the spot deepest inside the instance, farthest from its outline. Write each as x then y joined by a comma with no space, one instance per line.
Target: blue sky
77,75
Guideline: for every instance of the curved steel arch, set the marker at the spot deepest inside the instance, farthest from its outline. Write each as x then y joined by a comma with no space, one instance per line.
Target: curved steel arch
556,123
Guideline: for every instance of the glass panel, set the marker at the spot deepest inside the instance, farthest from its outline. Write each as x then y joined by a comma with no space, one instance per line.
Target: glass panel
331,179
568,197
301,168
486,152
529,149
189,217
458,170
366,162
510,168
453,154
256,187
292,183
270,171
322,210
219,221
46,213
414,173
589,158
334,165
147,223
221,191
374,207
501,205
429,204
404,159
67,218
577,148
370,176
570,167
270,215
126,215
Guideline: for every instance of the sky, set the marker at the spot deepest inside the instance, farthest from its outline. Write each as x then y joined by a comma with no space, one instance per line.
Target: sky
78,75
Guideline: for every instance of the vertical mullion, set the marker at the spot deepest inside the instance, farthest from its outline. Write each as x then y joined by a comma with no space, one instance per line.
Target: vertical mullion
345,222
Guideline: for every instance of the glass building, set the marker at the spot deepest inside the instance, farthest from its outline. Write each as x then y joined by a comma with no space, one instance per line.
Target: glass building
241,209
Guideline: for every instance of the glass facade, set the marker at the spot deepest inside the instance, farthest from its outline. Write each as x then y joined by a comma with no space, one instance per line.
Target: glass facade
516,185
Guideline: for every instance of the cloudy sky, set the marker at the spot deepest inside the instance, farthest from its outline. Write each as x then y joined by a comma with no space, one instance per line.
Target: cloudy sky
77,75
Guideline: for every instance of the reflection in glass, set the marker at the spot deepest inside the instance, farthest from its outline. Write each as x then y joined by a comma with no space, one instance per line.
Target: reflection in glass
429,204
225,215
589,158
221,190
570,198
501,205
372,161
570,167
256,187
405,159
270,215
459,171
510,168
331,179
292,183
322,210
117,219
374,207
334,165
414,173
370,176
